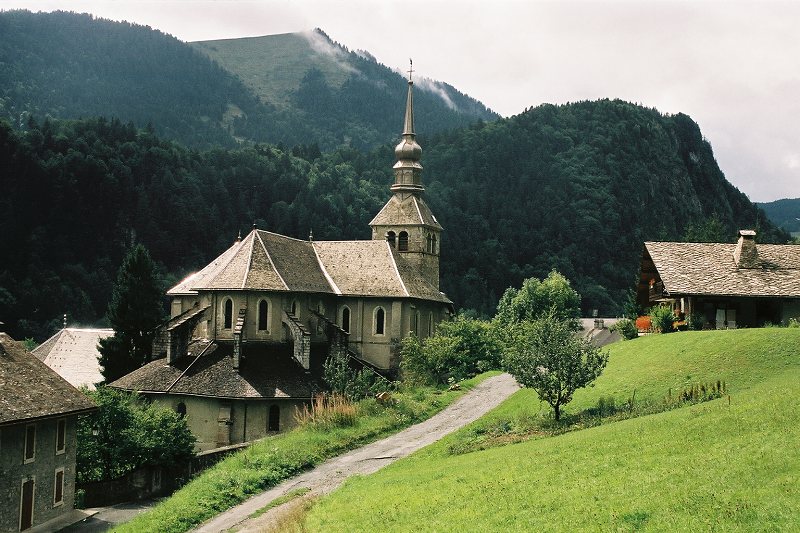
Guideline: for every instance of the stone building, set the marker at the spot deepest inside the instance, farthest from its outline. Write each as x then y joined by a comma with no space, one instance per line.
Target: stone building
729,285
38,427
249,333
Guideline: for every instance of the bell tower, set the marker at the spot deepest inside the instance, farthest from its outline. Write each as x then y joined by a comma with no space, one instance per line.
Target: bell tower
406,221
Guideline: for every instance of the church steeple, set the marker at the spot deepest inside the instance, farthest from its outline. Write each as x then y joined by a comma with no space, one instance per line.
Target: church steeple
406,222
407,169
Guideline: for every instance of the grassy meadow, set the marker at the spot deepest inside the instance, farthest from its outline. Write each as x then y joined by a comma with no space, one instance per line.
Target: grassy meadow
730,464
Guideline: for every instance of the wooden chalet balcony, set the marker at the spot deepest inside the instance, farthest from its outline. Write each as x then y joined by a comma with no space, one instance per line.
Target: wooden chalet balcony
656,291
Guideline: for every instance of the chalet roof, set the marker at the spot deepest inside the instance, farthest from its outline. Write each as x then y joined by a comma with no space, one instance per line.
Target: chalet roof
710,268
29,389
268,261
266,371
411,210
72,353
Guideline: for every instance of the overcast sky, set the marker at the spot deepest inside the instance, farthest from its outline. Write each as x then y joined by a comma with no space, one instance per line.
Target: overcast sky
732,66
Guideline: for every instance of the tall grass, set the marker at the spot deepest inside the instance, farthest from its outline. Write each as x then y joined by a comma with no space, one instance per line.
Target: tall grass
327,411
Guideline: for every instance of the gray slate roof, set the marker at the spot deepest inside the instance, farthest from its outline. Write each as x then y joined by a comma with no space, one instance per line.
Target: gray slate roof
266,372
268,261
29,389
411,210
710,269
72,353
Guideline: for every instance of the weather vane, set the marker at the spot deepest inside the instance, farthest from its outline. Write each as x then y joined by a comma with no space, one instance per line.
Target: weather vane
410,68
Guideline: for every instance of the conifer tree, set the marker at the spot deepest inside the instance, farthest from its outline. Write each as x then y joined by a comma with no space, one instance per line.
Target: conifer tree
134,312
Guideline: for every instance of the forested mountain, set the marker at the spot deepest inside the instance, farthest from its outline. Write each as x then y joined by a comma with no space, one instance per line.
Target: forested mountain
341,95
66,65
784,213
576,187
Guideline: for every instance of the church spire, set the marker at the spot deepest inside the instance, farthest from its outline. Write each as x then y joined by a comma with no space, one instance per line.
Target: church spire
407,169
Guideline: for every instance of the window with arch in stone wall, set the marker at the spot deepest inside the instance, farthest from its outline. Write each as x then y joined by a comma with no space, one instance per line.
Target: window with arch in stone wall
402,241
228,322
391,238
263,315
345,322
380,321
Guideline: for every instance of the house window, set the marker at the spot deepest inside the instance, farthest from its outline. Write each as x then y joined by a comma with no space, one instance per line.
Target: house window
181,409
380,318
30,443
58,488
402,241
391,238
274,422
228,313
263,314
61,436
346,319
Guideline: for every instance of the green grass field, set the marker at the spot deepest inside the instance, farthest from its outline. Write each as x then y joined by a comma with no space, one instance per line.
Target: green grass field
713,466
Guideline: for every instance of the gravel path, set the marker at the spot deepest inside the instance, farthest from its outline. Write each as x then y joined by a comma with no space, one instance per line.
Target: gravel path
370,458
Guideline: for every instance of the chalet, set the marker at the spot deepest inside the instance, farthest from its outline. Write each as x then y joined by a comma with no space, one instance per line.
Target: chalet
730,285
249,333
73,354
38,434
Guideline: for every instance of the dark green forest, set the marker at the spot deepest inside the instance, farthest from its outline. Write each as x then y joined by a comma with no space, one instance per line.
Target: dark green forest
68,66
785,213
576,188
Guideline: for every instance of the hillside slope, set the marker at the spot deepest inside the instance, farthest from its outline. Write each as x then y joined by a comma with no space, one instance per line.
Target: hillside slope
66,65
720,465
784,213
342,96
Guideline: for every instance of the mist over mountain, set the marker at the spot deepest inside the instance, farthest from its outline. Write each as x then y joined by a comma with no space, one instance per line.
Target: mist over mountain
158,158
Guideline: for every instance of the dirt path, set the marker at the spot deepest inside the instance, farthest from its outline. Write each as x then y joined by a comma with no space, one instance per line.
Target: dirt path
370,458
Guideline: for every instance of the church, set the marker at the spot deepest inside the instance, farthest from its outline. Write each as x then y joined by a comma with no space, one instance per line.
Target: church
249,333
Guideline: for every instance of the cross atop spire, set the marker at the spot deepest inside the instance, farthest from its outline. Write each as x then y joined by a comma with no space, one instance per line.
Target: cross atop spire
410,69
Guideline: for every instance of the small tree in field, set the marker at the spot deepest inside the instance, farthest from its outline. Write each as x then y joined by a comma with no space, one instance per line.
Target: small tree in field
546,356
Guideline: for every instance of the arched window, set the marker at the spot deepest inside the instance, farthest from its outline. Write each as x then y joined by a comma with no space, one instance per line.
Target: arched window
346,319
415,323
380,319
294,307
402,241
433,244
274,421
228,313
430,323
390,238
428,244
263,315
181,409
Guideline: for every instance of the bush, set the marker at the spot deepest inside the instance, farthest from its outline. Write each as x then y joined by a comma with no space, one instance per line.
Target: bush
459,350
353,384
662,318
644,324
696,321
627,328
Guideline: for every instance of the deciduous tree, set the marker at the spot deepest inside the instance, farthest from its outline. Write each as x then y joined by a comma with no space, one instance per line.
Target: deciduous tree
546,356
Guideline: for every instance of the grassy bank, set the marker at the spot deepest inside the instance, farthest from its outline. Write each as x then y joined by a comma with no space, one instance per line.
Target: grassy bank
274,459
711,466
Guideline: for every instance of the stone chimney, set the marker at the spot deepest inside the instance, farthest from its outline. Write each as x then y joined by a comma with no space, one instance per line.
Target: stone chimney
746,254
